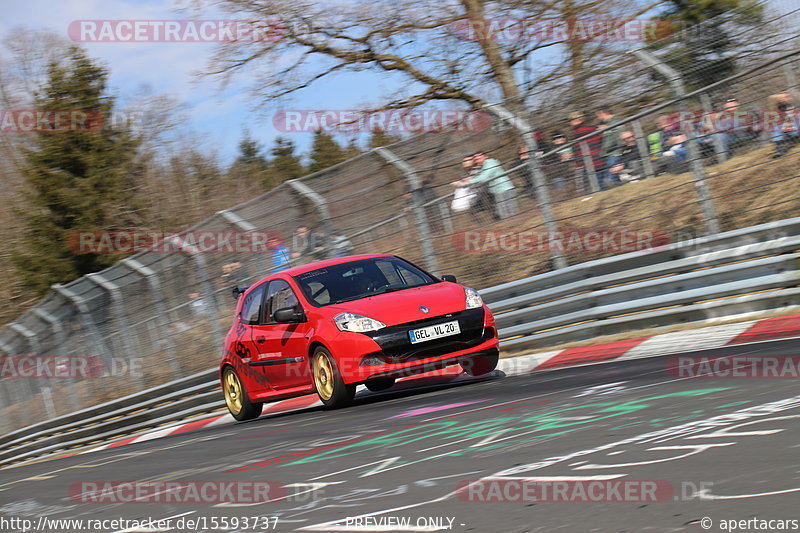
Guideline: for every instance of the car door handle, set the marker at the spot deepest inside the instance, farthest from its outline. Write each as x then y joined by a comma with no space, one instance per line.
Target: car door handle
261,340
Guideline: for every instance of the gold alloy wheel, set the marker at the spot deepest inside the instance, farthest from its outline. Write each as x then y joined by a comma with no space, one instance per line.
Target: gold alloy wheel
323,375
233,392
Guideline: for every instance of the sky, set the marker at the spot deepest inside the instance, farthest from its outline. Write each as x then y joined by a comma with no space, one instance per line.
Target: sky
171,68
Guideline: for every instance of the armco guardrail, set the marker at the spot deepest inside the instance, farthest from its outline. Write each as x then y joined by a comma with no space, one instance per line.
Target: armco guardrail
752,269
186,397
740,271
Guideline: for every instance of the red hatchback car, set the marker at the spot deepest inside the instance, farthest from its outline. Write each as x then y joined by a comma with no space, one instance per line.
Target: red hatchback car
331,325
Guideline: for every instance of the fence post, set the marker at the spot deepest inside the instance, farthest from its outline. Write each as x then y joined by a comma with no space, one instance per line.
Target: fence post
238,222
676,81
539,182
58,329
121,316
644,148
208,288
44,389
86,319
6,396
588,166
161,310
417,205
20,391
322,205
33,345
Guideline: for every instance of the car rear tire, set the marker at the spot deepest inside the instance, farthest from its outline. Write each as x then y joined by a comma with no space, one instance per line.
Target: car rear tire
236,398
379,384
331,389
478,365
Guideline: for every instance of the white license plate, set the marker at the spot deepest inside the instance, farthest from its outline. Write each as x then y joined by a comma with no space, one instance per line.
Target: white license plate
434,332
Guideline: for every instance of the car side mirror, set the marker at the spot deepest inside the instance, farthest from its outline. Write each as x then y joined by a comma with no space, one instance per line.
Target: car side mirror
238,291
287,315
449,277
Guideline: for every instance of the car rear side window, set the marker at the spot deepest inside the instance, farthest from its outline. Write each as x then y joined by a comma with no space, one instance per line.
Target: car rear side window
251,308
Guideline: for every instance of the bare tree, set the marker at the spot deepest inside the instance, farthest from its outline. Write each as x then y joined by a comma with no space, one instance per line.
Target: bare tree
466,50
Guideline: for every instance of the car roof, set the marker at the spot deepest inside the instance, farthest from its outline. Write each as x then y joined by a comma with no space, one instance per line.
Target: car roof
301,269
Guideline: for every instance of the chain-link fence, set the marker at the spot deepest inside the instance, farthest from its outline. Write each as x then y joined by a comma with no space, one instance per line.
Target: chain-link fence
671,163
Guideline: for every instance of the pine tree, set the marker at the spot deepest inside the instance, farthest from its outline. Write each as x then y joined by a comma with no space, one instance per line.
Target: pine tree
378,137
352,149
325,152
77,180
285,164
250,152
251,165
703,54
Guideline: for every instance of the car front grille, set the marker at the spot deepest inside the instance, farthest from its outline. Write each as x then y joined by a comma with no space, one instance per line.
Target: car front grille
396,346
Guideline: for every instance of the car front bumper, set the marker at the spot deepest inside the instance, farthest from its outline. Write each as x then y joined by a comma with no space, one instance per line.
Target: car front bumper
388,352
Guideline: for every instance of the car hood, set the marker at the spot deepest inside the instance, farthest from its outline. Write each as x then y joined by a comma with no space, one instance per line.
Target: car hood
403,306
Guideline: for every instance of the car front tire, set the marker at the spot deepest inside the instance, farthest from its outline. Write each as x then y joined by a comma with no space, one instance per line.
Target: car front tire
236,398
331,389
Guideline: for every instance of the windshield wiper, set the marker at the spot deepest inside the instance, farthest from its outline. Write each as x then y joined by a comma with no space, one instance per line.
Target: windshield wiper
384,290
388,289
350,299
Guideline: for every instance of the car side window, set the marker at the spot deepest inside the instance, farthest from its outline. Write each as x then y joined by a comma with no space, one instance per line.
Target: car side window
251,308
279,295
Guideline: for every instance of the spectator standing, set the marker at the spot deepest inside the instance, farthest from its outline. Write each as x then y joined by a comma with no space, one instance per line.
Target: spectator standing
307,244
524,170
730,128
499,184
464,197
595,145
611,145
557,165
280,253
785,134
233,273
480,201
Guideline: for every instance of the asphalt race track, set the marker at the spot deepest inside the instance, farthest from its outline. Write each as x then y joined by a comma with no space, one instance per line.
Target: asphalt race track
403,460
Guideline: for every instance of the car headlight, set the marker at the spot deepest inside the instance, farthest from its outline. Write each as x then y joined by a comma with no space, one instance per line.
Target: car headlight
357,323
473,298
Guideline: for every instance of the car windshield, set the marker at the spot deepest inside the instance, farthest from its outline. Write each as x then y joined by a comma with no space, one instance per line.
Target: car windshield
360,279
